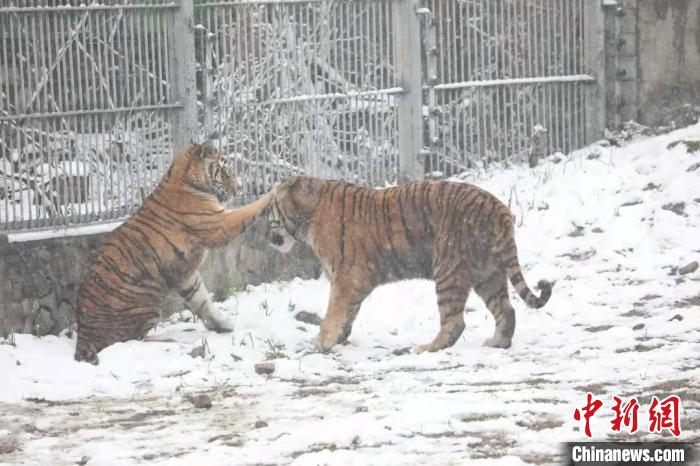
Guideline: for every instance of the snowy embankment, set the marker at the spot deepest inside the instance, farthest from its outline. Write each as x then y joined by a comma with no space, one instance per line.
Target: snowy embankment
608,224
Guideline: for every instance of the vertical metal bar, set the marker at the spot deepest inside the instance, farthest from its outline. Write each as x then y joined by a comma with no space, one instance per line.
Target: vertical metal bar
44,147
15,50
410,124
594,65
182,71
5,134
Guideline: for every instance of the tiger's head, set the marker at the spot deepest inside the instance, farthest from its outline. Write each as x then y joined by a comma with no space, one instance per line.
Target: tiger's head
202,167
292,211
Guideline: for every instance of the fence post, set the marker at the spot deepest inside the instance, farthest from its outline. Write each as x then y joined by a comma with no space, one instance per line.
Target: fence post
407,57
182,71
594,61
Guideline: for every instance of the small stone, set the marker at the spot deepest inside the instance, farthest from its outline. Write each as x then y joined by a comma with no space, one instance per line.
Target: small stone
197,352
236,357
43,322
677,317
401,351
690,268
308,318
638,327
17,363
597,230
677,208
29,428
84,460
260,424
265,368
361,409
201,401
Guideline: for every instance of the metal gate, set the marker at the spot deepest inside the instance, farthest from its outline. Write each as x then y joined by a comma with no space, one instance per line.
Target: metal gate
88,100
294,87
94,99
505,78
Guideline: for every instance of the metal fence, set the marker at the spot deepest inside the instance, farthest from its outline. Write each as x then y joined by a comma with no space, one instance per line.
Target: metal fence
94,99
300,87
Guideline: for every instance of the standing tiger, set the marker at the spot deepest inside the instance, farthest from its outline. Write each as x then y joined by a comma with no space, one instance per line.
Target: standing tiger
460,236
160,248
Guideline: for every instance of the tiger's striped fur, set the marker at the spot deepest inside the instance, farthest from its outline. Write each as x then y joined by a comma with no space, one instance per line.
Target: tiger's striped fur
460,236
160,248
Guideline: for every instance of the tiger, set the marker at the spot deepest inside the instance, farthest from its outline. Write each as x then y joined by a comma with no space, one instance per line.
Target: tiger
456,234
160,248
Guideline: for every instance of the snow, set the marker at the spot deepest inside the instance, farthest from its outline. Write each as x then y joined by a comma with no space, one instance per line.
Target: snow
595,223
62,232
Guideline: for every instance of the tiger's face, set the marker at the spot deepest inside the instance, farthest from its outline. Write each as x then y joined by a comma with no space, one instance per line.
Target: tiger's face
202,167
290,213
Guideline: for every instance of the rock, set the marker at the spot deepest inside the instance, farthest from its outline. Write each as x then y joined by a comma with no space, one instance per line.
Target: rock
579,255
677,317
631,202
84,460
30,428
677,208
308,318
201,401
401,351
43,322
690,268
593,155
638,327
265,368
693,167
361,409
597,230
198,352
260,424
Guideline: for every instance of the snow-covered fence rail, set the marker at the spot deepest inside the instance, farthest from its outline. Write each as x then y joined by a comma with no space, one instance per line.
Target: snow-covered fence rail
95,94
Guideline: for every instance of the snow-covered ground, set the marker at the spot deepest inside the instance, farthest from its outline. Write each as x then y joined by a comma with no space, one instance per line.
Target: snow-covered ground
619,323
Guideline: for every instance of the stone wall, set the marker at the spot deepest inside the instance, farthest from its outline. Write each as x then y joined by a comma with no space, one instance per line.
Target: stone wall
653,62
39,279
669,58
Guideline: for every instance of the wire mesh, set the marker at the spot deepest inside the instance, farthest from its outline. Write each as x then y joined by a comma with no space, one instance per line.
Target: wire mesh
300,87
84,109
507,72
88,105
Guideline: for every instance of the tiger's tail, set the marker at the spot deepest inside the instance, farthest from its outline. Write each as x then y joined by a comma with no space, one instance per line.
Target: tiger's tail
509,258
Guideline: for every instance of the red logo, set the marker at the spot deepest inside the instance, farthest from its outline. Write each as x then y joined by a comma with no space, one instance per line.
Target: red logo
663,415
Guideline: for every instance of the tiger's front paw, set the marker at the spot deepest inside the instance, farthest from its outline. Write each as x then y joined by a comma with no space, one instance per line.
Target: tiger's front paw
219,322
324,343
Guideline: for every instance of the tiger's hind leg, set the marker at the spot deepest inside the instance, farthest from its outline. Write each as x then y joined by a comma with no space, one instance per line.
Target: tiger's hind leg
199,301
494,292
452,290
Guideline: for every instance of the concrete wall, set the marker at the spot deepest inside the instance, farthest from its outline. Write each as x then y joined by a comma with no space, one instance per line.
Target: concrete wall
39,279
652,66
669,58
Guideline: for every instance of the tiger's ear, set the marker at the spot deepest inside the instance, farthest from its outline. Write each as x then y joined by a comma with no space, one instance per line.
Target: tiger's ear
204,151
